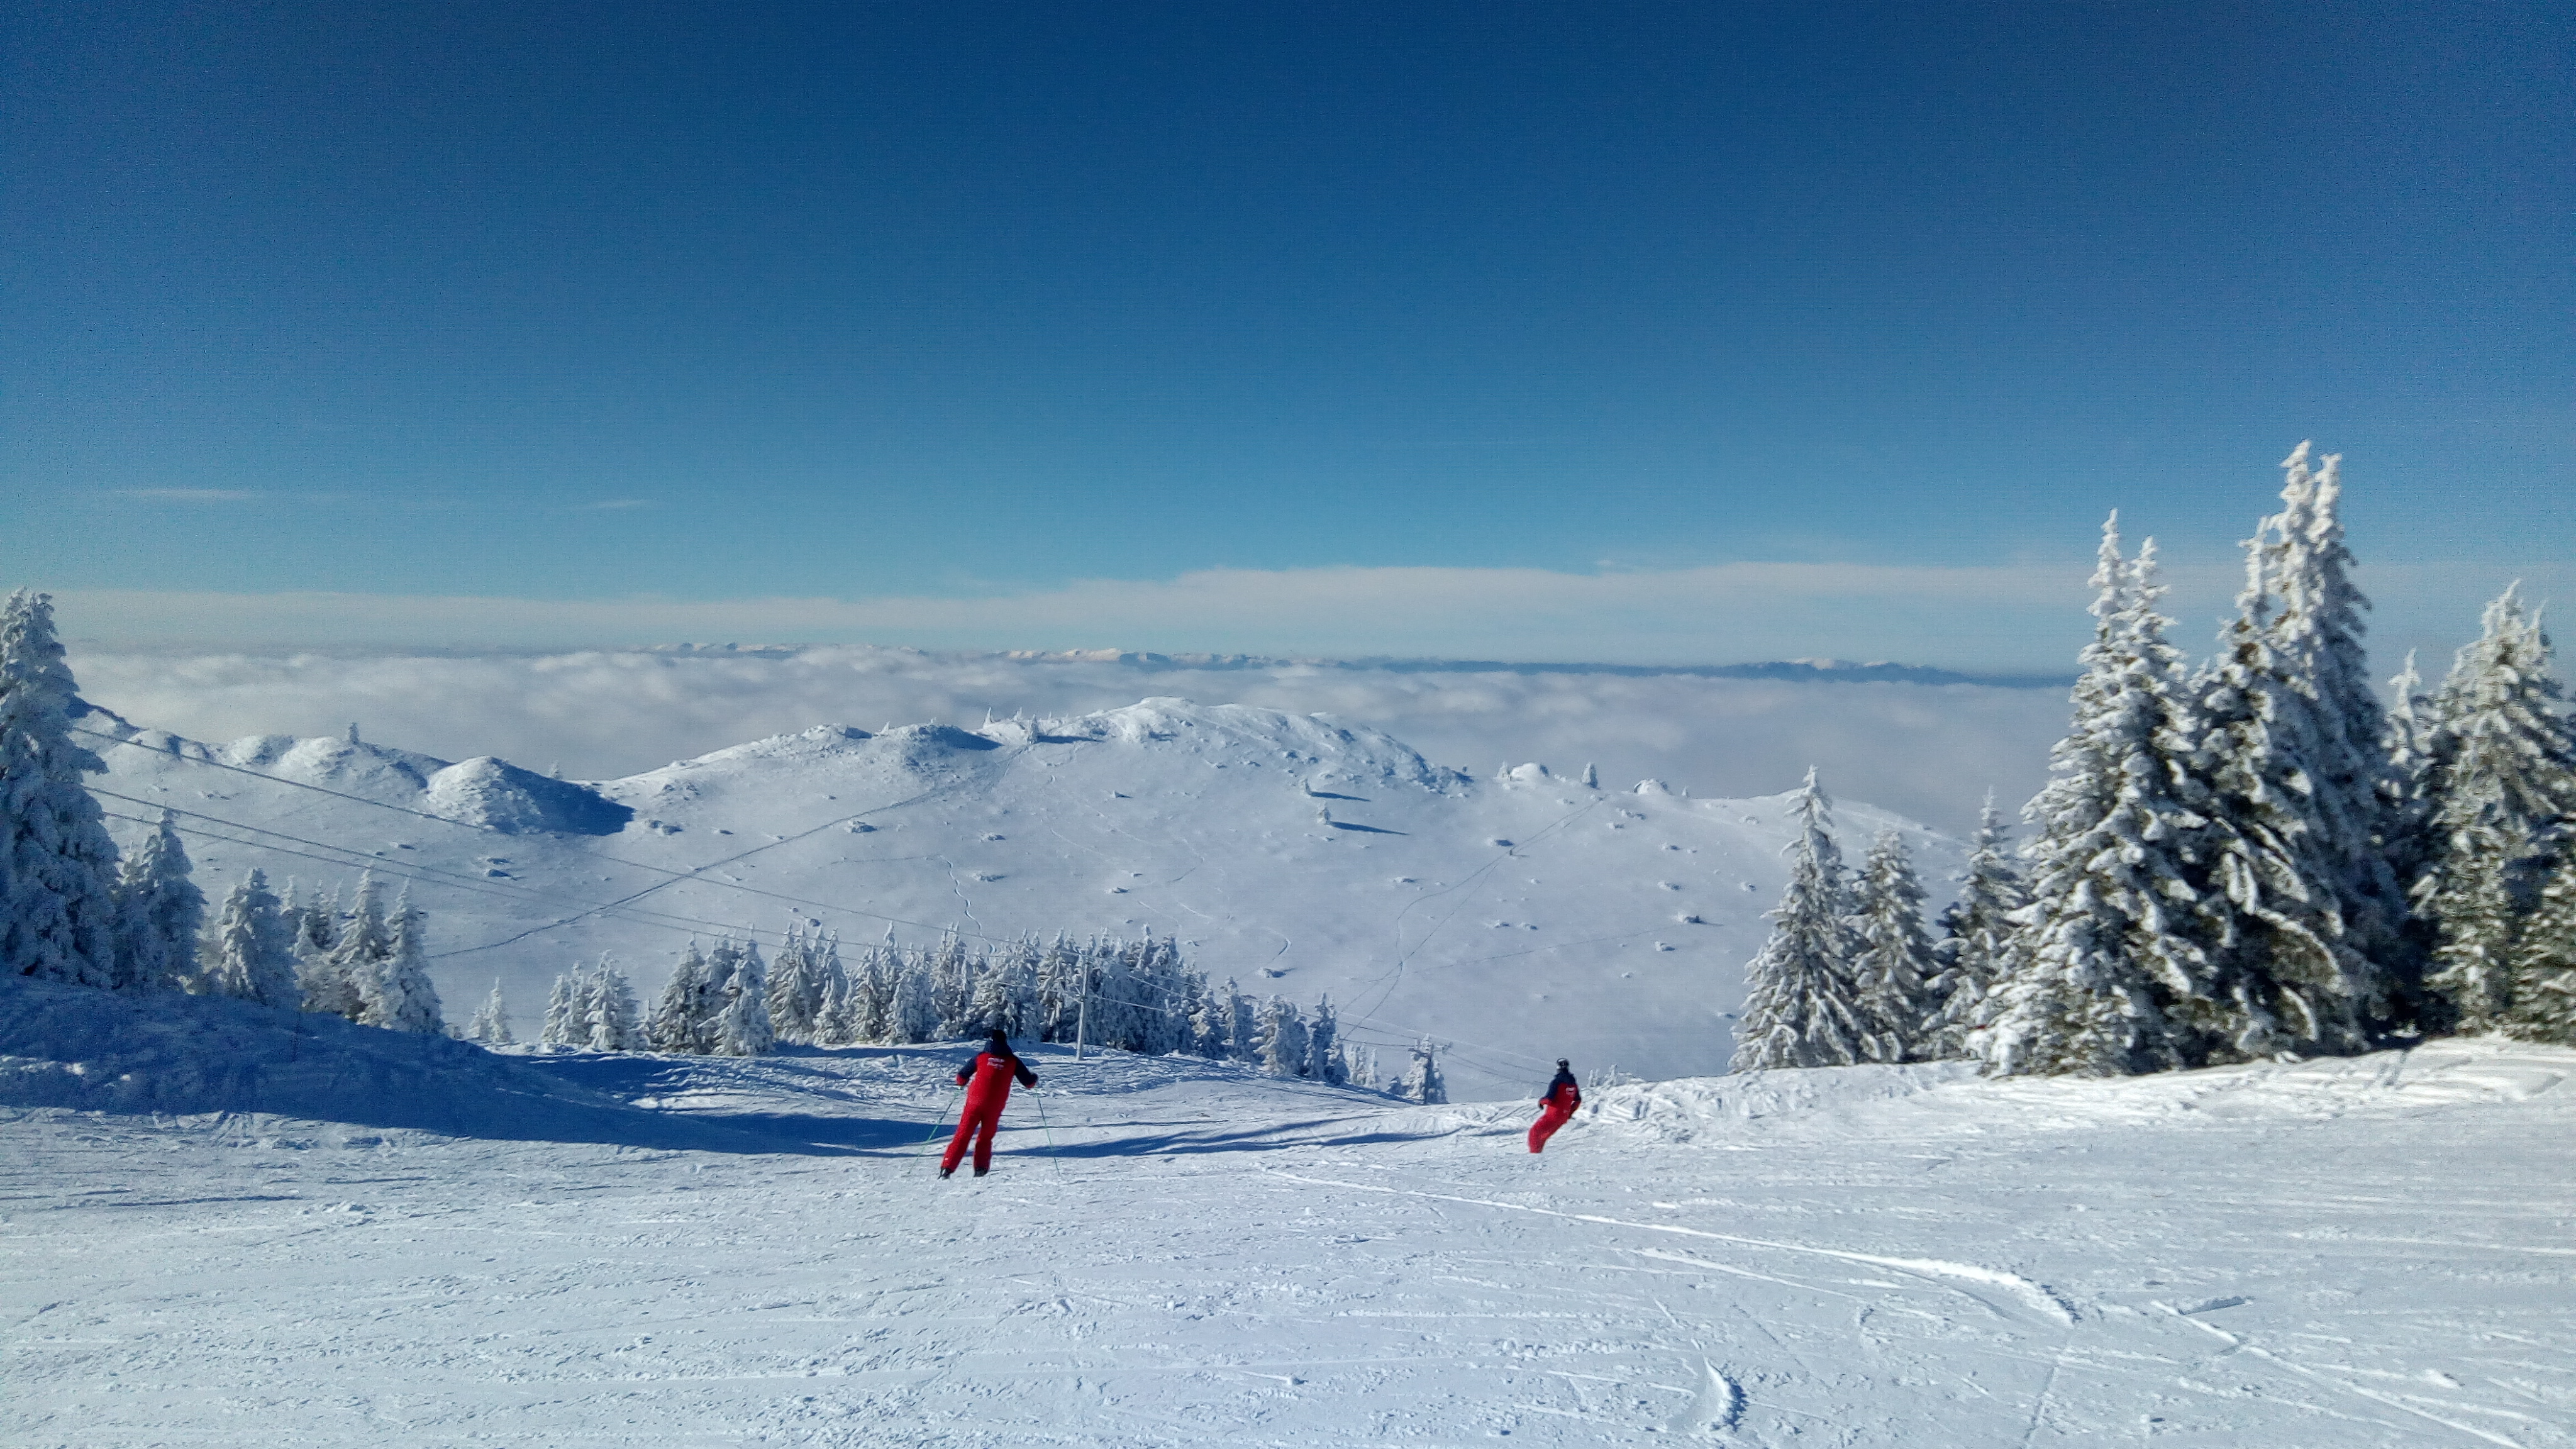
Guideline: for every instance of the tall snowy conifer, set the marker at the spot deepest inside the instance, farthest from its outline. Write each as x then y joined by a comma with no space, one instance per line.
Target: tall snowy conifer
403,998
2294,783
673,1027
2112,938
613,1023
1422,1081
1894,965
343,981
2540,999
2500,783
1801,1007
490,1024
250,949
58,916
159,912
1323,1052
742,1027
1976,941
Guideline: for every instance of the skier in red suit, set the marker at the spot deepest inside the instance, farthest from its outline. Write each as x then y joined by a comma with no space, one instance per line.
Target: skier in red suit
987,1081
1559,1103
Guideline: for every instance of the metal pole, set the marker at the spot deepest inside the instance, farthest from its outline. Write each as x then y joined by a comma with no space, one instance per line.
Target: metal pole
1082,1016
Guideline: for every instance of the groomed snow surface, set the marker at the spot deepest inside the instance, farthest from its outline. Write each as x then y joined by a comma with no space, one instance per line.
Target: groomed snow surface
642,1251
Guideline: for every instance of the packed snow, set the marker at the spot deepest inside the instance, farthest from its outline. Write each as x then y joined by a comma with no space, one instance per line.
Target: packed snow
648,1250
1517,914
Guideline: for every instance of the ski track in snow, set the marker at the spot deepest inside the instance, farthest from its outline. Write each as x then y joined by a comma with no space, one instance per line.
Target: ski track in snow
2257,1258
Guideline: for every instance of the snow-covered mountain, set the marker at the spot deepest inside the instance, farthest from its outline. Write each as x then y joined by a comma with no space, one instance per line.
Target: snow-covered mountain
1518,915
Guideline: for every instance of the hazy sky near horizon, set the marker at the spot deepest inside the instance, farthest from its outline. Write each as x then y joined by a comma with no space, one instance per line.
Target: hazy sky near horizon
1340,311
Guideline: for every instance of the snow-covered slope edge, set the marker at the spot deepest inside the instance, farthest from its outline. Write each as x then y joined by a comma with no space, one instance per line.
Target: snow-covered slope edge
80,1048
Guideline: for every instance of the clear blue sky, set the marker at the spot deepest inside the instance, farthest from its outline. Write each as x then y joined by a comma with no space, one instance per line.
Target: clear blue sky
570,301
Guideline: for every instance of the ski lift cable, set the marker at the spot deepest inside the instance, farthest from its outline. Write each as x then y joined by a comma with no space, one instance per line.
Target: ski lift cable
674,876
403,871
427,874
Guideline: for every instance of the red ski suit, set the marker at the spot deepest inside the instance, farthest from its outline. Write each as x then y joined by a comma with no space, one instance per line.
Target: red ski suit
1559,1103
987,1081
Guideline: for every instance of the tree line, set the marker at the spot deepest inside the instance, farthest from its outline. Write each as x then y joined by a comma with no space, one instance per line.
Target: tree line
2248,859
1136,996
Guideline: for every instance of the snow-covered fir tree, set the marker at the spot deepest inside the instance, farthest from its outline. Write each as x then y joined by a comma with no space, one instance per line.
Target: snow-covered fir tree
2499,778
58,867
1801,1005
2113,936
1894,965
1280,1049
2540,995
402,996
1976,939
159,913
1323,1046
742,1027
1422,1081
613,1022
673,1027
342,980
798,982
249,952
490,1024
563,1005
2290,781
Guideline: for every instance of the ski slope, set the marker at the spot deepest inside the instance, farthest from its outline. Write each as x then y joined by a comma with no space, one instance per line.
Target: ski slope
2365,1252
1517,917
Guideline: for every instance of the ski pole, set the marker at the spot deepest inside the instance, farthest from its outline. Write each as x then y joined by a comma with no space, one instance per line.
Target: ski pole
938,1126
1050,1136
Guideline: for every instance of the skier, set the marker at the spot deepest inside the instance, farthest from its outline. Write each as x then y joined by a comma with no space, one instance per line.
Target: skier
987,1081
1563,1096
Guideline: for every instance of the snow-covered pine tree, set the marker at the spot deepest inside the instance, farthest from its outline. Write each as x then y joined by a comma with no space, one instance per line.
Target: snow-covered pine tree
2540,997
1243,1026
1209,1021
1323,1053
2500,778
790,1009
1894,965
58,916
404,997
343,981
159,913
1422,1081
2288,771
1976,937
2113,937
317,930
614,1022
952,988
913,1012
673,1027
490,1024
1801,1007
557,1028
249,951
1282,1044
742,1025
1359,1066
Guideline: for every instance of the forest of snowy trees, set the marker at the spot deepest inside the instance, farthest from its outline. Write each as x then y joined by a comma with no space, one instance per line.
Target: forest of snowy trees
72,911
1137,996
2251,859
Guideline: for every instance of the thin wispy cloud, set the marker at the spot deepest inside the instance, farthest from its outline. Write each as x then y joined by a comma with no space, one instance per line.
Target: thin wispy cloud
188,495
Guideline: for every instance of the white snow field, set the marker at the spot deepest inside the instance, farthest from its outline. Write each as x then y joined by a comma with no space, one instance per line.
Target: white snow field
1517,918
2364,1252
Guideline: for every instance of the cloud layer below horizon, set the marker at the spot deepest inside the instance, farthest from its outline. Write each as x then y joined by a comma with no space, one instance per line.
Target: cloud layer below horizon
2023,618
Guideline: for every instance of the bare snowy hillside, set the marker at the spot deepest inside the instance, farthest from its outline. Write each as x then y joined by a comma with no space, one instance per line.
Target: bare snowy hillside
1520,917
2364,1253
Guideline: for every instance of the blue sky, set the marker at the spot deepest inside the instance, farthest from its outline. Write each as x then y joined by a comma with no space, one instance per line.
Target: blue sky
567,303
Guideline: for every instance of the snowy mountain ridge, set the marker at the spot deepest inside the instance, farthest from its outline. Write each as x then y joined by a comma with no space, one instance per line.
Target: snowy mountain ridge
1521,914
